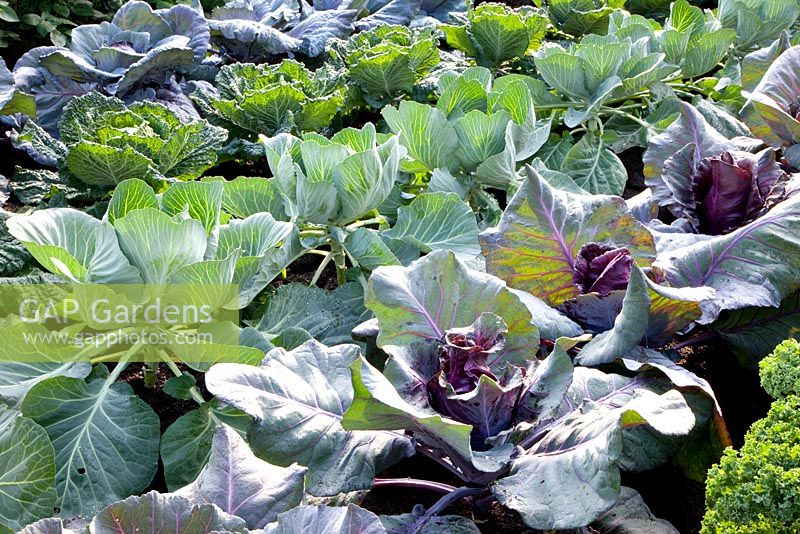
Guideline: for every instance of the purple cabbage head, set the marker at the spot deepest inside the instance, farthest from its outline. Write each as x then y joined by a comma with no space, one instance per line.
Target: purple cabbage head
473,384
735,188
602,268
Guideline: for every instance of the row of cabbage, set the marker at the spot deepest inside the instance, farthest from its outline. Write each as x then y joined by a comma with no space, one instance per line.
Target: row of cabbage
391,157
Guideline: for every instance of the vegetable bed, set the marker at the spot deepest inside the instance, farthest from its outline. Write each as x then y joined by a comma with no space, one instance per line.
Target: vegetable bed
415,266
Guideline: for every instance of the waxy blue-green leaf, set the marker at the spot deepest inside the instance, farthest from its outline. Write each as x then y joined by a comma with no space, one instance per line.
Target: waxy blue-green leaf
242,485
378,406
442,524
757,24
630,515
336,181
437,221
16,378
732,264
570,477
186,443
105,438
298,399
27,464
326,519
202,201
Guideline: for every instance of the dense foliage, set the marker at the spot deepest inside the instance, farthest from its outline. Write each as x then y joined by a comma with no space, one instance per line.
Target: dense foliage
442,246
756,488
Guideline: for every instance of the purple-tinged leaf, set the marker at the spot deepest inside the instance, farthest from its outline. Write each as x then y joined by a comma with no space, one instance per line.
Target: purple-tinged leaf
756,265
421,302
669,311
536,245
352,520
673,155
378,405
156,513
466,351
241,484
602,268
488,407
735,188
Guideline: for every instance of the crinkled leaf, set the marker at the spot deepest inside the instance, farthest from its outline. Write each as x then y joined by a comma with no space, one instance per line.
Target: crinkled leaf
101,165
328,316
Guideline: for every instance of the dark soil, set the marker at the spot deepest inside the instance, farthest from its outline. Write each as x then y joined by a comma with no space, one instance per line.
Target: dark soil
167,408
